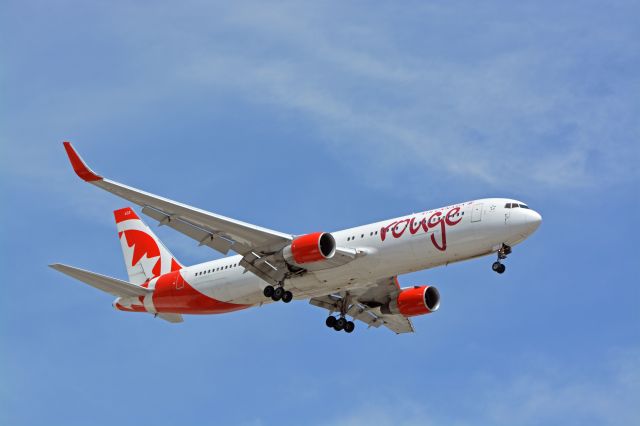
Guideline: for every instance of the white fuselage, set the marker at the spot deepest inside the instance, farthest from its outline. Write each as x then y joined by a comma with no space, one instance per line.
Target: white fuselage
387,248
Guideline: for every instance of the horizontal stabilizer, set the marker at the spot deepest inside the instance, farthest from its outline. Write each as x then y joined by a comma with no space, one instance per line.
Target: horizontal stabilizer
110,285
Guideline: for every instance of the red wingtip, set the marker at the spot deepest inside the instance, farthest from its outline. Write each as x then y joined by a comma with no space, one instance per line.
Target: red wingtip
126,213
79,166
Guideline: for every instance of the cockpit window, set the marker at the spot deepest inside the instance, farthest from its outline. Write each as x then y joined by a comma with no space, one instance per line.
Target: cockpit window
515,206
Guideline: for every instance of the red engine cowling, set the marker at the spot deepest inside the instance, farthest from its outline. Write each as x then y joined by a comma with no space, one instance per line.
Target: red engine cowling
418,300
310,248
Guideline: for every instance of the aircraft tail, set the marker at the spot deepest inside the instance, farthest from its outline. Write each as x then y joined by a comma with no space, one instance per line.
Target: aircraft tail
144,254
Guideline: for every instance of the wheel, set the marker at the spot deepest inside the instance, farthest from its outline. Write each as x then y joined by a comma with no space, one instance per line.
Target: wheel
340,324
496,266
331,321
287,297
349,327
501,269
277,294
268,291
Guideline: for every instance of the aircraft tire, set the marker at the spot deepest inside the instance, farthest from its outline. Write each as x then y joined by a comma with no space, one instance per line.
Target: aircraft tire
349,327
268,291
331,321
277,294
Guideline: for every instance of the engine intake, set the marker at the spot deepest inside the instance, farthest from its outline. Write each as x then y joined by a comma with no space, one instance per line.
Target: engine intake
419,300
310,248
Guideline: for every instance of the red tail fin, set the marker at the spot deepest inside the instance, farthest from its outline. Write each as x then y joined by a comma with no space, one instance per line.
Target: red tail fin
144,254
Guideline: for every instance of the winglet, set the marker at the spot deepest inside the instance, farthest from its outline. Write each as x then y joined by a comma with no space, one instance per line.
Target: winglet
79,166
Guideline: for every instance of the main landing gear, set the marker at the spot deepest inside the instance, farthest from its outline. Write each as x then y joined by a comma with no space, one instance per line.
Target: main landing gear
339,324
278,293
503,252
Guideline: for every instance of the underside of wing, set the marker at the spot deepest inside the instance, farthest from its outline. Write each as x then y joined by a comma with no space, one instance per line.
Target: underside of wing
261,248
217,231
364,305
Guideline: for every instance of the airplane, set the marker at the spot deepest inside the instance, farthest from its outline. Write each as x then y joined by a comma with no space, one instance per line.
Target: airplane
351,273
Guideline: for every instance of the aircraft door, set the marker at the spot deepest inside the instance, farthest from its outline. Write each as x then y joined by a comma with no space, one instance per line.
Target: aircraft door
476,213
178,281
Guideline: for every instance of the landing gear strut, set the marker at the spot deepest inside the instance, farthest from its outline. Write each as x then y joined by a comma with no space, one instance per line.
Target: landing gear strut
341,323
503,252
278,293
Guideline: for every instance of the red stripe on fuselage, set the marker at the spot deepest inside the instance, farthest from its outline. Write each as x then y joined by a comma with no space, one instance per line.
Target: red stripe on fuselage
172,294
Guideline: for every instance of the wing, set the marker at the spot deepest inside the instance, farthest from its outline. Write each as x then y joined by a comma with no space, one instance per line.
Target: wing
107,284
260,247
221,233
364,305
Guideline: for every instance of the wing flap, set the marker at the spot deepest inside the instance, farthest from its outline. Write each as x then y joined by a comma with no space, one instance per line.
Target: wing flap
243,233
203,236
370,316
364,305
107,284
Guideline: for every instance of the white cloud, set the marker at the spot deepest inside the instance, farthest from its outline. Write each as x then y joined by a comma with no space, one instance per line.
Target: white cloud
501,99
519,114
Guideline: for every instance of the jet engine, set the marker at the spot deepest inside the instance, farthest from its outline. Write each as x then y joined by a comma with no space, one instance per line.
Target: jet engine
310,248
418,300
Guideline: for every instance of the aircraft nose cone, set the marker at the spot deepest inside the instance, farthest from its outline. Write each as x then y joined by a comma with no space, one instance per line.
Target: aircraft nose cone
533,220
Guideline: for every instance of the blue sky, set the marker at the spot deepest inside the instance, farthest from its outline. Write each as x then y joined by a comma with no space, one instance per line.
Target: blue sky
306,117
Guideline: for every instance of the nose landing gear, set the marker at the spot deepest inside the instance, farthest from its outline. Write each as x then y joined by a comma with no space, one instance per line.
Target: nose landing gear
278,293
498,267
503,252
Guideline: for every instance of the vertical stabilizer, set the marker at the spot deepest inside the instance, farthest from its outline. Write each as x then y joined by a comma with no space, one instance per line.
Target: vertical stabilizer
144,254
